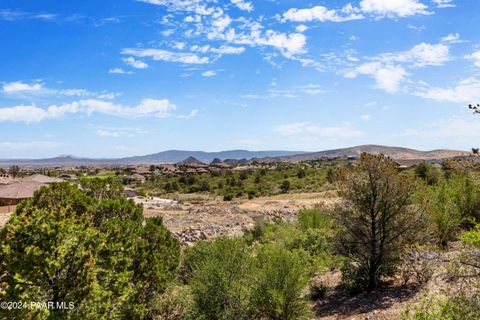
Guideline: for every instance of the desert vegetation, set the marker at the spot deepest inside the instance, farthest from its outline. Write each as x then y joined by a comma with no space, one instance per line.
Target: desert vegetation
85,243
255,181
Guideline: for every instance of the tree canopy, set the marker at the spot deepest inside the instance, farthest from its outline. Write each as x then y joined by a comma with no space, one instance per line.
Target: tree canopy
89,247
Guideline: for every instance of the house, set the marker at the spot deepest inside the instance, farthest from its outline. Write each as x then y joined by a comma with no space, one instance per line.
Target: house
142,170
130,193
67,177
408,163
41,179
7,180
12,194
138,178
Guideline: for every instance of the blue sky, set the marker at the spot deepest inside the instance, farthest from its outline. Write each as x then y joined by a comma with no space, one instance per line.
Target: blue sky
113,78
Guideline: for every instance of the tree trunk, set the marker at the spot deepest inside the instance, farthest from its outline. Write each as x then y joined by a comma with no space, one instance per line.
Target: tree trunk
372,270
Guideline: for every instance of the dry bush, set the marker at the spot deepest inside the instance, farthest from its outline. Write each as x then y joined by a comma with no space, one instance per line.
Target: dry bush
418,265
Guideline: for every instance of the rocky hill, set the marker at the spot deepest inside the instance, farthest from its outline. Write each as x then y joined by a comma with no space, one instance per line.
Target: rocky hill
396,153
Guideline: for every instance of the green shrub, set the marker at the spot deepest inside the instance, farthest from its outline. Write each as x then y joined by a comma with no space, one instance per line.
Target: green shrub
176,303
221,281
193,258
431,308
228,197
313,219
285,186
444,212
93,249
279,284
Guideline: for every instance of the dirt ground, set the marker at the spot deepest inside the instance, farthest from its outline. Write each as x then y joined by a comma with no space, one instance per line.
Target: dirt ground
386,303
197,218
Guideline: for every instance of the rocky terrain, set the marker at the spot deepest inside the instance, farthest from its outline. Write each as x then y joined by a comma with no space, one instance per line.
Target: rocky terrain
203,219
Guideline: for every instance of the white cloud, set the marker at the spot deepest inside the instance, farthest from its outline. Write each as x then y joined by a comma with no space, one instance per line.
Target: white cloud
109,95
183,5
118,71
27,145
301,28
444,3
291,129
209,73
416,28
421,55
394,8
452,38
14,15
191,115
220,51
466,91
29,114
179,45
137,64
228,50
312,89
168,32
289,44
19,88
320,13
475,57
388,69
388,77
426,54
366,117
221,23
243,5
164,55
108,133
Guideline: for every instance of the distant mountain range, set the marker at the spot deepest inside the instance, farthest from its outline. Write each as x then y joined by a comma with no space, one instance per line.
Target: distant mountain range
396,153
175,156
170,156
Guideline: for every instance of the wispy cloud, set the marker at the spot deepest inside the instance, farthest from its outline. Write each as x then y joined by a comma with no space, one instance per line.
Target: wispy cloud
137,64
15,145
37,88
168,56
31,113
299,128
119,71
466,91
209,73
14,15
191,115
389,69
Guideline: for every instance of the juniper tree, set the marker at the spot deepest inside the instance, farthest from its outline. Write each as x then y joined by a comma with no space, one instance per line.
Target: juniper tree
378,218
65,245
